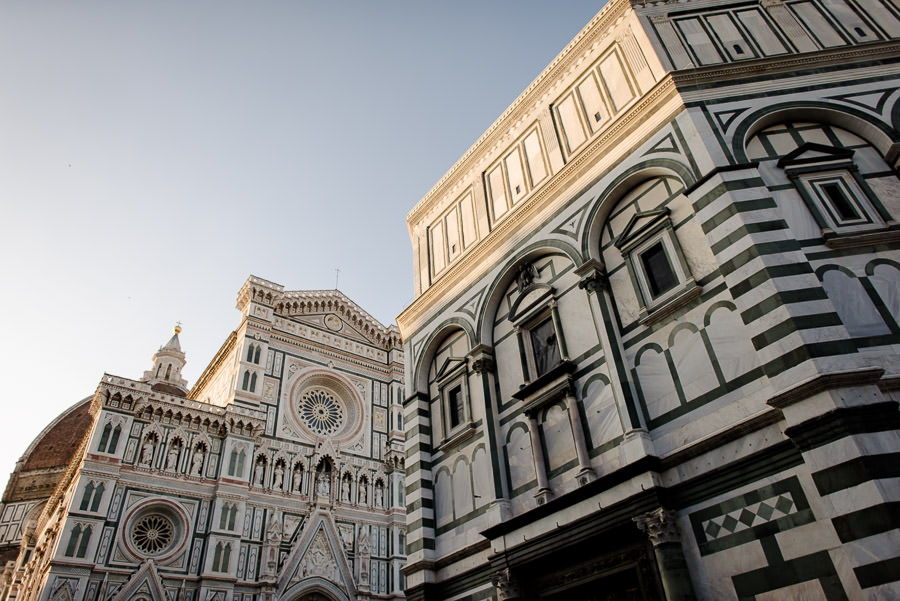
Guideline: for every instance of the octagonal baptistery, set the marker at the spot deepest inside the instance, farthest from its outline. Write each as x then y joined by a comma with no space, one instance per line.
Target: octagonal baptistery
279,472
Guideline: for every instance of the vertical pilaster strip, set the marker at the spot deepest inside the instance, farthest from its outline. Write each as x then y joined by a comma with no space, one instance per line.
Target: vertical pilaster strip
540,467
585,473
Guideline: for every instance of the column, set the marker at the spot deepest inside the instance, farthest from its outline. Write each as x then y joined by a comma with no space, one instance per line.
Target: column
661,529
586,472
544,493
507,585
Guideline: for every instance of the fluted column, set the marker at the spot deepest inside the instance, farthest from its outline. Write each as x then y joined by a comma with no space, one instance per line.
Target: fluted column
662,530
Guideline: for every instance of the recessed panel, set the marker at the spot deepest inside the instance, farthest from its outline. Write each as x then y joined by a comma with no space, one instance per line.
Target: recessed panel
437,247
467,213
537,166
496,192
762,32
699,42
617,84
592,100
454,244
573,131
517,187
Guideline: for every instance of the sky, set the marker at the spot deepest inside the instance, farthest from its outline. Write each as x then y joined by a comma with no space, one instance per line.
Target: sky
154,154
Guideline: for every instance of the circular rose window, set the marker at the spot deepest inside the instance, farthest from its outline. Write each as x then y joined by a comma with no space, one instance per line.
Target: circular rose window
155,528
152,534
321,412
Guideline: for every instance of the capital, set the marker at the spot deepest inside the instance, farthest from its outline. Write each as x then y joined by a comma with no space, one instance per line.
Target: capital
659,525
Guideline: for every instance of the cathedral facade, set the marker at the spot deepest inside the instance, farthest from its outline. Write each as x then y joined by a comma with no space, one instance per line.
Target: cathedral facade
654,348
278,476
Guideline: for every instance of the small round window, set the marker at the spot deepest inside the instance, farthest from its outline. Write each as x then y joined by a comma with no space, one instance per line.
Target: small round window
153,534
321,412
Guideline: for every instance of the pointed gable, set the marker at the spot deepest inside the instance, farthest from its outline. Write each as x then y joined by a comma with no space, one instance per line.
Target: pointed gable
318,559
143,584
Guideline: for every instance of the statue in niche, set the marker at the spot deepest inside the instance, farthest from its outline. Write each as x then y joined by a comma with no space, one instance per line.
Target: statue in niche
525,277
172,458
298,478
259,473
363,485
345,490
197,462
379,495
324,484
278,482
147,452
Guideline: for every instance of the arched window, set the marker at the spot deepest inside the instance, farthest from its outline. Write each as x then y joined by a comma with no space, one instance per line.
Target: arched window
245,384
86,497
114,440
104,438
158,370
78,541
256,356
73,541
250,353
240,462
232,517
98,495
217,557
168,371
253,383
223,518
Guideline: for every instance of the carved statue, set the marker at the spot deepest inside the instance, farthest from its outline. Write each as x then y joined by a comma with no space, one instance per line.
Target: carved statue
147,453
525,277
172,459
379,496
324,484
362,492
298,479
278,482
258,474
345,490
197,462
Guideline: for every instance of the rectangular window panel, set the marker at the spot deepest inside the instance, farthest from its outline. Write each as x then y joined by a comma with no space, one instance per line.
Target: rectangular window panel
571,123
454,245
884,18
592,100
544,347
438,256
699,42
517,187
660,276
821,29
736,46
467,213
534,155
762,32
616,81
858,29
496,192
455,407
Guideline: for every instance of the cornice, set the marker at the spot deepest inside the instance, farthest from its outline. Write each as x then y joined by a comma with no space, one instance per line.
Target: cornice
560,66
793,64
558,185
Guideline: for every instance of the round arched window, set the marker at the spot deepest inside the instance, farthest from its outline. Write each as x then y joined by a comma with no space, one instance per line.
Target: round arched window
153,534
321,412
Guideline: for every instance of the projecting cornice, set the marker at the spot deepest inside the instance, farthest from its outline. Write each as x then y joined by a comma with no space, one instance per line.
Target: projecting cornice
531,99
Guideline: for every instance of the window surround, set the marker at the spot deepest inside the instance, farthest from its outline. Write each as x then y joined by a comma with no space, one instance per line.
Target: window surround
646,232
813,167
453,378
542,309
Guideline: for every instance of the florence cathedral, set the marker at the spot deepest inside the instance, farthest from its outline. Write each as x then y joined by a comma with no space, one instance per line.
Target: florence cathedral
654,354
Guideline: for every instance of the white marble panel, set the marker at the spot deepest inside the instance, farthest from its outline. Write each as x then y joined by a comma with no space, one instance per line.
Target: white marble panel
521,460
481,472
601,413
462,488
731,343
443,500
573,130
693,365
558,437
886,280
853,304
657,386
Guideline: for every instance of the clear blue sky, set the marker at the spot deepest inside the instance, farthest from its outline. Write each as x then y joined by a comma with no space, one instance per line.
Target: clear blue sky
153,154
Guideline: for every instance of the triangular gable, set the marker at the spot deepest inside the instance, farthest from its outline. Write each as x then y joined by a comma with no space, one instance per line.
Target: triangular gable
318,554
638,223
449,364
145,581
810,152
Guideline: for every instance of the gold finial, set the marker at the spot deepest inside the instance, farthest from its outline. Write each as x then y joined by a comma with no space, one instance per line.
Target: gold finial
178,327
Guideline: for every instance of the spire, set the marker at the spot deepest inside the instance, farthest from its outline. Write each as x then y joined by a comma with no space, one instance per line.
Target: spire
167,364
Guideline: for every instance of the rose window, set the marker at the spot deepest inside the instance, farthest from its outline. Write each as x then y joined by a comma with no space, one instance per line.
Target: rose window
153,533
321,412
